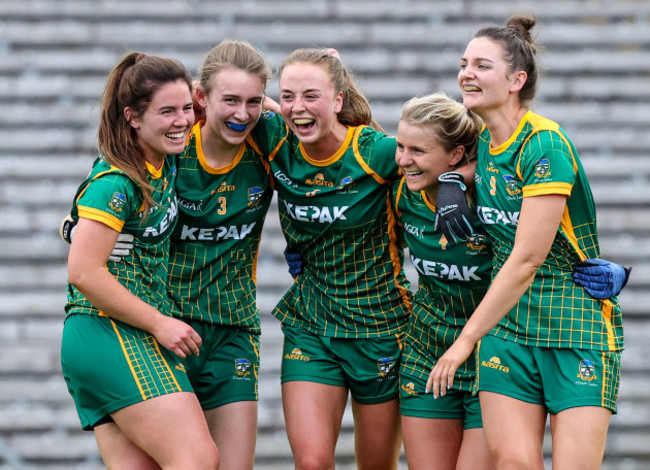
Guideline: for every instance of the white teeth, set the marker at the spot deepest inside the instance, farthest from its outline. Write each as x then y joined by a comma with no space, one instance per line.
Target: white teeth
412,173
303,121
178,135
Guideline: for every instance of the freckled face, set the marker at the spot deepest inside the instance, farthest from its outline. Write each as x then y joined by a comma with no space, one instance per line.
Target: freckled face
308,101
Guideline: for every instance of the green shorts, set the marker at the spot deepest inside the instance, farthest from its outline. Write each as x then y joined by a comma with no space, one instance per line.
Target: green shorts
455,404
226,369
108,365
368,367
556,378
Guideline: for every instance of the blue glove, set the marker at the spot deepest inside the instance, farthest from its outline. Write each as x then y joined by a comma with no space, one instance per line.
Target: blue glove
601,279
453,215
295,262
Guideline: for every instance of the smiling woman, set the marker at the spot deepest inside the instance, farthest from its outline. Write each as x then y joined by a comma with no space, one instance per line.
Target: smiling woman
344,316
560,346
134,394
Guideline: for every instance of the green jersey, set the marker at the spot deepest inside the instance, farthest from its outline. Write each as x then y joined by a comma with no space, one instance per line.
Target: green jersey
336,213
215,244
453,278
110,196
540,160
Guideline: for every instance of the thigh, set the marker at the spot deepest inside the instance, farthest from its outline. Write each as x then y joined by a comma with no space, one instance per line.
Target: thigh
473,454
371,367
227,369
377,434
234,429
514,431
171,429
120,452
430,443
308,357
579,377
579,435
313,414
108,365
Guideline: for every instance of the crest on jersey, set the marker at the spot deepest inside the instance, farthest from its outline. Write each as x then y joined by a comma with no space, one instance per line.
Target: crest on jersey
117,202
347,181
254,195
267,114
543,168
385,366
476,241
586,370
242,367
511,185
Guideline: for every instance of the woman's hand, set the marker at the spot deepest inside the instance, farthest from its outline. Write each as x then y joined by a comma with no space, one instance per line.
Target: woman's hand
442,375
177,336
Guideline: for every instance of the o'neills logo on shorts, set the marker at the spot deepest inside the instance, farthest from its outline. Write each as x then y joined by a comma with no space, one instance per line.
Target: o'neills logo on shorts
296,355
495,363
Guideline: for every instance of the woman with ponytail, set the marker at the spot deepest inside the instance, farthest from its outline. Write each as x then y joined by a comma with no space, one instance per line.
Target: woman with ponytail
546,346
121,351
344,317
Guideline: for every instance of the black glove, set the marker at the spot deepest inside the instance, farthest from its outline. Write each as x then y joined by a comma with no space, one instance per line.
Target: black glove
295,262
67,229
601,279
454,217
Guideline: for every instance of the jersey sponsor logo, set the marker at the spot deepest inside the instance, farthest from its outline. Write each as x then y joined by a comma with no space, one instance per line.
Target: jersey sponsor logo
296,355
587,371
492,216
311,193
224,188
284,179
543,168
319,180
255,194
451,272
409,388
242,367
322,215
216,233
165,223
511,185
117,201
413,230
495,363
194,206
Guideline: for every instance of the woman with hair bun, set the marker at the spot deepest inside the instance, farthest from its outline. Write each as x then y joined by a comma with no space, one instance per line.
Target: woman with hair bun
546,346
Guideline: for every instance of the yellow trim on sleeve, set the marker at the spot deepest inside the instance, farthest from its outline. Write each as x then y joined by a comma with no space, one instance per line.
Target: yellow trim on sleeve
544,189
362,162
101,216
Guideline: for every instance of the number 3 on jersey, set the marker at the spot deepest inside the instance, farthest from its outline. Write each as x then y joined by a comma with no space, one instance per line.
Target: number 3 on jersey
221,210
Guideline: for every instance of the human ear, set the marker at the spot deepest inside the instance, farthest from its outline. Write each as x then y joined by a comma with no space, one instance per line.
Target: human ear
456,156
518,81
128,115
